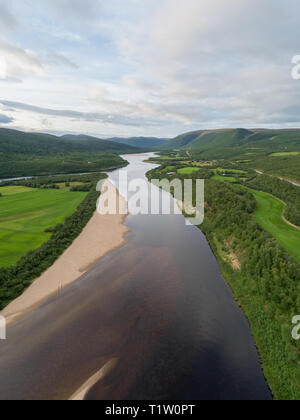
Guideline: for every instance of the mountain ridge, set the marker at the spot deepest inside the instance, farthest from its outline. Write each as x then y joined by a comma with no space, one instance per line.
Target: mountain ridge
19,142
214,143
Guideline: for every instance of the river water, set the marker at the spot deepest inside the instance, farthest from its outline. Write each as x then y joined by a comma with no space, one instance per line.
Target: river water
158,307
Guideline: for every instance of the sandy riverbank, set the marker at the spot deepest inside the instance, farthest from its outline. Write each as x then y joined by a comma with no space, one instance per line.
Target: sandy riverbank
81,393
102,235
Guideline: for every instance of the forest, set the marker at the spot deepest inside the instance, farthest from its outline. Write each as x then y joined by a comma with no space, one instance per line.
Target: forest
13,142
285,166
19,166
33,154
53,181
235,143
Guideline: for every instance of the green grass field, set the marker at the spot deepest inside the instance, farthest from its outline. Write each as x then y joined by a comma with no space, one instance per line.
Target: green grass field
5,191
269,215
26,213
230,171
170,168
188,171
223,178
283,154
197,164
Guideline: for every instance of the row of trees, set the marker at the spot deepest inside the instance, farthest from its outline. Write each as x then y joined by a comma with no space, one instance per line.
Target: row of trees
52,182
20,166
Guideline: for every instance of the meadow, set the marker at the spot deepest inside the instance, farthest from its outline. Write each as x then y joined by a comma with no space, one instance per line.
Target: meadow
12,190
26,213
230,171
221,178
188,171
282,154
269,214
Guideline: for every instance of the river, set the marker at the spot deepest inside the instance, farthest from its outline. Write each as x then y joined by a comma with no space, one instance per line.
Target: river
158,307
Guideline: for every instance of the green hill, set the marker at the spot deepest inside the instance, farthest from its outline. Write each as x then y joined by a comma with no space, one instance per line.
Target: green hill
182,140
239,142
149,143
145,143
30,154
222,138
14,142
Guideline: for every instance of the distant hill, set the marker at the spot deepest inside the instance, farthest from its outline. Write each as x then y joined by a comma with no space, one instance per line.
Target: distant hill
35,154
145,143
142,142
233,142
18,142
182,140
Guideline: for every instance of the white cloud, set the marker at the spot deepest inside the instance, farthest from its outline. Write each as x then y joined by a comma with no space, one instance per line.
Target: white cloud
171,63
18,63
4,119
57,59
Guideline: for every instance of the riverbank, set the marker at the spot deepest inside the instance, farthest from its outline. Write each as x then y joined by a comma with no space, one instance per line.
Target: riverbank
102,235
260,320
270,325
262,276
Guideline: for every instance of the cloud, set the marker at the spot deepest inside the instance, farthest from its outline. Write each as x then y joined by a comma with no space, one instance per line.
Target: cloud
162,65
57,60
117,119
4,119
205,57
7,19
76,12
15,62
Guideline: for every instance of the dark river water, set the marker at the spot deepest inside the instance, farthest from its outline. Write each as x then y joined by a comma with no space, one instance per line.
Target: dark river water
158,306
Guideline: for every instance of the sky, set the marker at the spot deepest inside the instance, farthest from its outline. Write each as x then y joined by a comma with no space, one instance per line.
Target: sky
148,67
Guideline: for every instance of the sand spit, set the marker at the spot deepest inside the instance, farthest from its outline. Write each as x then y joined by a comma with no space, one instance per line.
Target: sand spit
102,235
81,393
